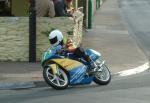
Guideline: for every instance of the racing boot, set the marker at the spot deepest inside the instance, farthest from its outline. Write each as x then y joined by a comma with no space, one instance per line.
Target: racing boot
91,68
90,64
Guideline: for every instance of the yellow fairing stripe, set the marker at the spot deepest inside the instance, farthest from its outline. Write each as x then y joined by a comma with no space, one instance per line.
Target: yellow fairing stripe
54,68
67,64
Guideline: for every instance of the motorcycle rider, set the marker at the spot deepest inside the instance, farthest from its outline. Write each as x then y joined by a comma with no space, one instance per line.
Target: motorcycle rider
57,45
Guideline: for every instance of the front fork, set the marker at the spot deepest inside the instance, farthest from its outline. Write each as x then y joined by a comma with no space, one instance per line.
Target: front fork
98,66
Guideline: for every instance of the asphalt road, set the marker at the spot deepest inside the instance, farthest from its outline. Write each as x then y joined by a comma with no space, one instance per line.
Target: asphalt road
137,17
133,89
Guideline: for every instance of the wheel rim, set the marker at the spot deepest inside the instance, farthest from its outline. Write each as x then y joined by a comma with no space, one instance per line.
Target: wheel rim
104,74
59,80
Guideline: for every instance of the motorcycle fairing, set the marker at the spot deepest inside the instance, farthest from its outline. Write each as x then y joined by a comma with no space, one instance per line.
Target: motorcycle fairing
78,76
66,63
94,55
76,71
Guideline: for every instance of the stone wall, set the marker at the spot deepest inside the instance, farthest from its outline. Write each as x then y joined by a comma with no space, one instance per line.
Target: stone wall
14,34
14,39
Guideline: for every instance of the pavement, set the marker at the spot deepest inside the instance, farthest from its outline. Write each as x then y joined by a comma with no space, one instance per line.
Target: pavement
109,36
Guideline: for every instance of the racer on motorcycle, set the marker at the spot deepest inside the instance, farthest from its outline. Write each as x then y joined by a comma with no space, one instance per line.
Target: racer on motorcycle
57,46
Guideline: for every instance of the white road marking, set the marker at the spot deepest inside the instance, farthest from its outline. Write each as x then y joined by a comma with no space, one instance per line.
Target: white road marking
133,71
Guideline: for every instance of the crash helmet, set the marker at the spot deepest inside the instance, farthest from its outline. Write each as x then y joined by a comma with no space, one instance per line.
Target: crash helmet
55,37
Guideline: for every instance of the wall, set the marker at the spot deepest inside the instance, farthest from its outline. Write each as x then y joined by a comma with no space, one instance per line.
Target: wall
14,35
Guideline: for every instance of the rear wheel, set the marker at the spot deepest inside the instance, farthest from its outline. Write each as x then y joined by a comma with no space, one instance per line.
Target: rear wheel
102,77
57,81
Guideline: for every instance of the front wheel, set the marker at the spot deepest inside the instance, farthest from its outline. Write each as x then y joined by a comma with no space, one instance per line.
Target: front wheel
59,81
102,77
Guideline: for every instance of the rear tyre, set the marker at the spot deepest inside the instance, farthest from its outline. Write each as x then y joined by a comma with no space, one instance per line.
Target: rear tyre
102,77
59,81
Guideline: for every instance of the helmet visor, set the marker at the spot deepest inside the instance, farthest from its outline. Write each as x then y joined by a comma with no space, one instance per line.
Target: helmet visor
53,40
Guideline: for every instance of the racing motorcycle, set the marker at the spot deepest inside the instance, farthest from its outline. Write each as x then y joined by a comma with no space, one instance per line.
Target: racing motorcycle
63,70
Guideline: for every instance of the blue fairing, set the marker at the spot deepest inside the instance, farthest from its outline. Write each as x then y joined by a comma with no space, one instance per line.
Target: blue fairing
94,55
78,76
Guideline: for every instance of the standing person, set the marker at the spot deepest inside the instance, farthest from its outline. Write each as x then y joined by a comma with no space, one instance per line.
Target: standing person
61,8
68,6
45,8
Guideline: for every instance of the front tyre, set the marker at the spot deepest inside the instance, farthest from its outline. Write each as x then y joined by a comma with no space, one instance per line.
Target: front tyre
102,77
59,81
